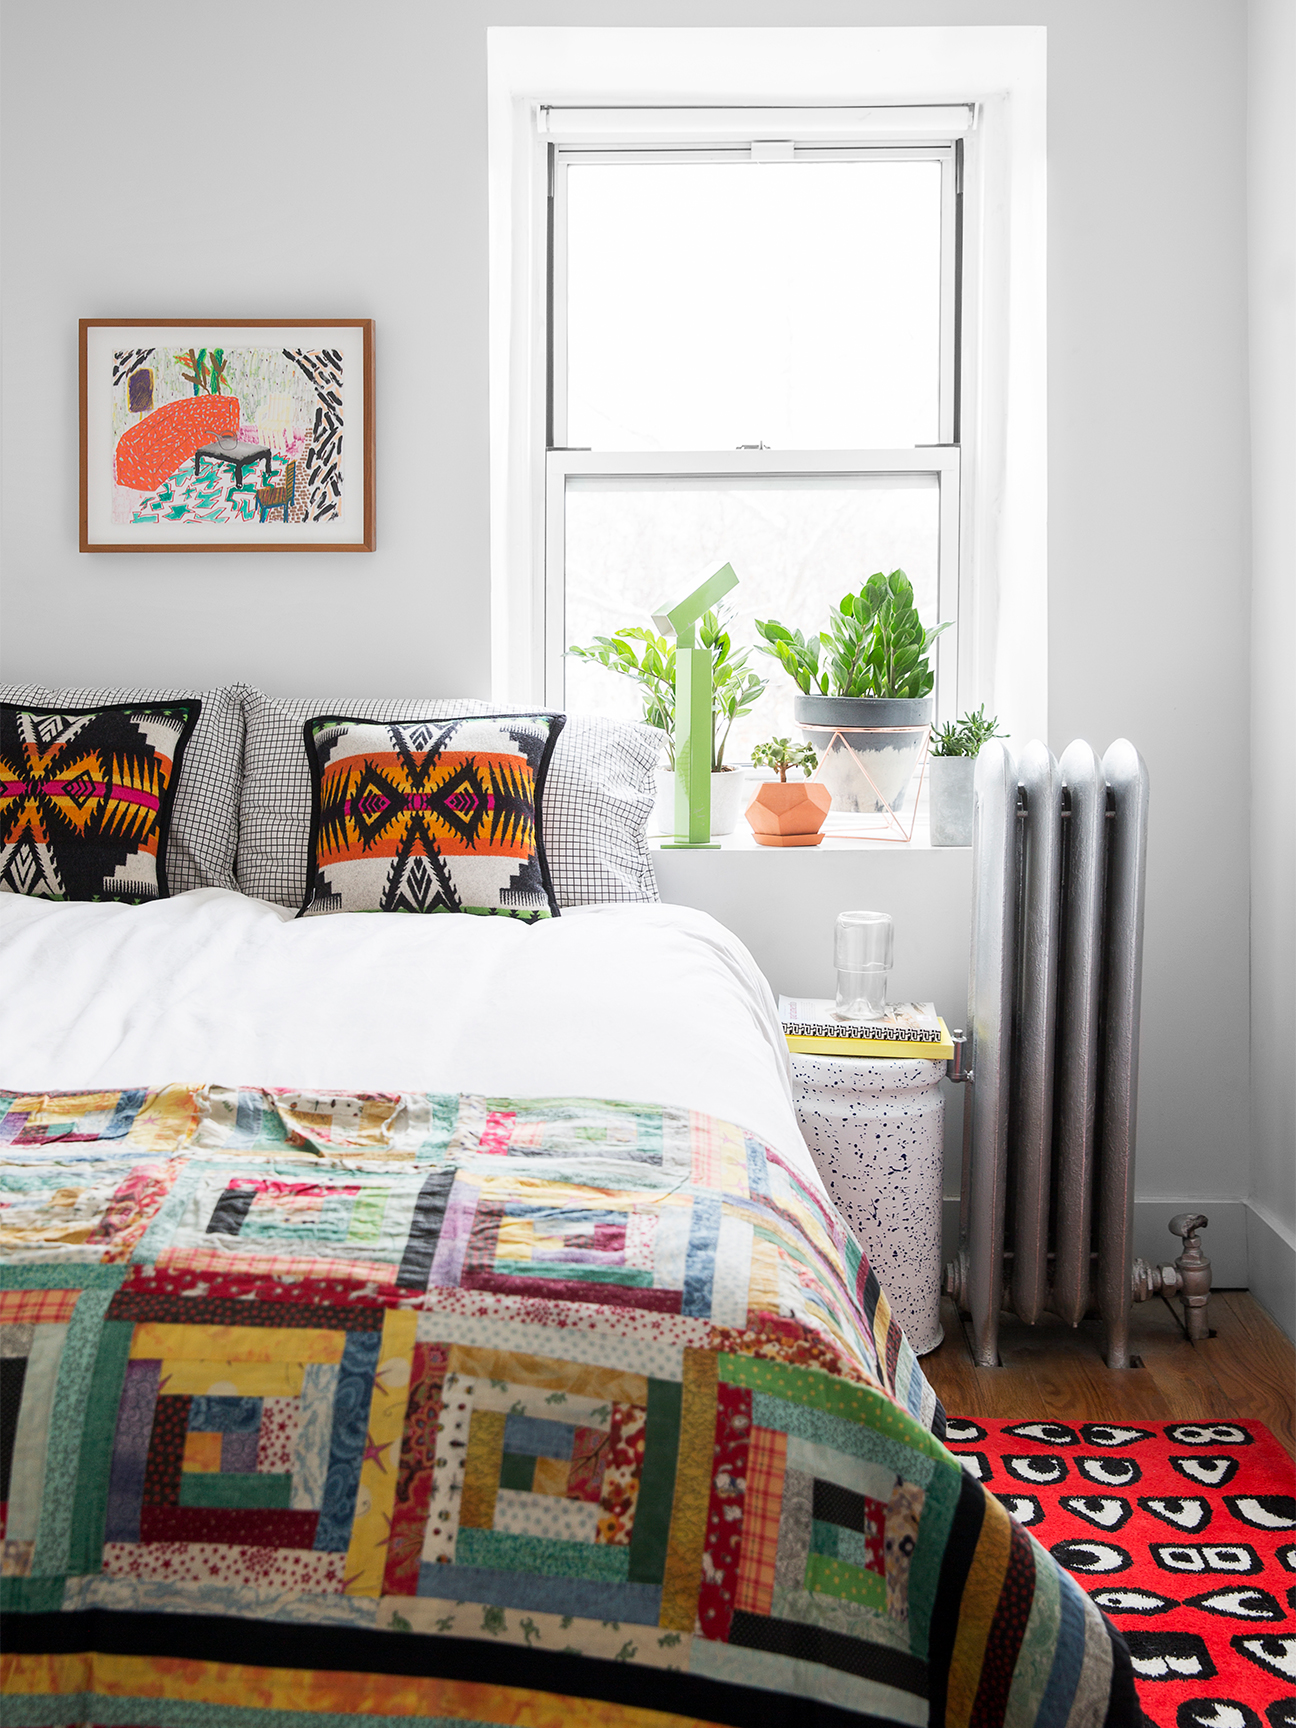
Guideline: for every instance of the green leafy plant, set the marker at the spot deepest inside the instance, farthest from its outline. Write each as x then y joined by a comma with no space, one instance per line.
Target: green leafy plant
875,644
639,653
782,754
964,737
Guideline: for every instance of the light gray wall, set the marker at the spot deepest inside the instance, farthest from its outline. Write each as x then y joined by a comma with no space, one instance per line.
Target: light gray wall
1271,1224
370,198
784,905
361,191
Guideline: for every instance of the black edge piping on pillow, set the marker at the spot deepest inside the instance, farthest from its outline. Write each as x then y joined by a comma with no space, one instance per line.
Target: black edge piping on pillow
193,704
556,724
312,848
173,786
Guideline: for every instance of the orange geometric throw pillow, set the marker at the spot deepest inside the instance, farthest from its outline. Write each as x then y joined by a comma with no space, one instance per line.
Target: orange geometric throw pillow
86,796
430,815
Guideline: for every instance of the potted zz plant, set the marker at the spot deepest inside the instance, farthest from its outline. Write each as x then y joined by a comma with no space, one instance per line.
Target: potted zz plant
783,812
953,768
639,653
865,686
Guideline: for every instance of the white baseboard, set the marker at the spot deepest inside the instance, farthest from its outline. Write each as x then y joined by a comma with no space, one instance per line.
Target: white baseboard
1233,1227
1271,1256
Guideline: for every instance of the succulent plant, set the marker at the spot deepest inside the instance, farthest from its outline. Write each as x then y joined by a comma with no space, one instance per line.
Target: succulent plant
782,754
966,736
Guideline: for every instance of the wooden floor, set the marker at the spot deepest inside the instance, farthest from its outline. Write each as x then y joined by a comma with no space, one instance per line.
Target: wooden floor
1248,1369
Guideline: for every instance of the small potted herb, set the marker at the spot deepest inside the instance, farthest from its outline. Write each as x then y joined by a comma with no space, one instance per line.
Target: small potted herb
785,812
865,686
951,771
639,653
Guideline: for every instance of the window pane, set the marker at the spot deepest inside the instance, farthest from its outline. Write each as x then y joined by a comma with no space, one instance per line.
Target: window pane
716,304
797,545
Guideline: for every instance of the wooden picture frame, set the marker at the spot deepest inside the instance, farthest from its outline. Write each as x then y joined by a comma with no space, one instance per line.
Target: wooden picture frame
209,434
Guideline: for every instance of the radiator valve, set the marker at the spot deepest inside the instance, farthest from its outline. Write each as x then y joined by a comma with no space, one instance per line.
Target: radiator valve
1194,1269
1189,1278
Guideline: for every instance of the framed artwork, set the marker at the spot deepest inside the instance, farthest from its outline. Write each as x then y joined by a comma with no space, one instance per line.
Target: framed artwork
227,435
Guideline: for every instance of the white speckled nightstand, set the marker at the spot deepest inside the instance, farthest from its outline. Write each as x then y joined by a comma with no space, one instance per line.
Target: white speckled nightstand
876,1130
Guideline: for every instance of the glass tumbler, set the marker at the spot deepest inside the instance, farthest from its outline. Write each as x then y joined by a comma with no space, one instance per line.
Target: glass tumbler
863,948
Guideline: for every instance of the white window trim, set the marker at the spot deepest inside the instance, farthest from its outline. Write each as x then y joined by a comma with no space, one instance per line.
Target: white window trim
1000,69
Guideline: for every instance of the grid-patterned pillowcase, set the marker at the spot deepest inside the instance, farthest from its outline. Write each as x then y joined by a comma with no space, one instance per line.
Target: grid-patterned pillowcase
598,796
204,817
430,816
86,796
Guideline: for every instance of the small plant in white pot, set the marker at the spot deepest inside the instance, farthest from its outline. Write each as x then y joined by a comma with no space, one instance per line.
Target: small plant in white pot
951,770
639,653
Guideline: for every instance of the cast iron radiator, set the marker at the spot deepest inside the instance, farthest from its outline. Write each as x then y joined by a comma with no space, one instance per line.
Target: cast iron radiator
1046,1208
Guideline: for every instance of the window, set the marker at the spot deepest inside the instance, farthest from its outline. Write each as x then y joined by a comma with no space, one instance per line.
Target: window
753,358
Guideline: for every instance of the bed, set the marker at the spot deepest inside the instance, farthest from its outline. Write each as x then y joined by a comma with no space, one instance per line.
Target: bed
440,1319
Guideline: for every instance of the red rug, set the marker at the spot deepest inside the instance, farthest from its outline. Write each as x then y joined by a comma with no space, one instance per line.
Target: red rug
1183,1532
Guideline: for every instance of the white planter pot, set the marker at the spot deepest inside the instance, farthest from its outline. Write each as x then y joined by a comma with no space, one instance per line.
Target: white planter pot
882,732
726,801
950,779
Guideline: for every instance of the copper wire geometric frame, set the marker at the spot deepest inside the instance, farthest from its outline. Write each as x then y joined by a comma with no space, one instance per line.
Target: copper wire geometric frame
902,835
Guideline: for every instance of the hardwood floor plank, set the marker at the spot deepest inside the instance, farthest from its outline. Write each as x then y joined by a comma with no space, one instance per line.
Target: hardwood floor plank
951,1369
1254,1363
1247,1370
1183,1372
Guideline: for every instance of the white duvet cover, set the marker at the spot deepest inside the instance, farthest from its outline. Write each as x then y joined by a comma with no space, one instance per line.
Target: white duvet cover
653,1004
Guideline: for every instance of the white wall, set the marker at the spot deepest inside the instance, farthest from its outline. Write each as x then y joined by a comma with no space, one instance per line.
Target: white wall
784,904
1271,1222
370,199
362,193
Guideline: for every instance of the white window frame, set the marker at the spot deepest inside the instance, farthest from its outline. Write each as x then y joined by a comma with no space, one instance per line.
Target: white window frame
547,84
749,131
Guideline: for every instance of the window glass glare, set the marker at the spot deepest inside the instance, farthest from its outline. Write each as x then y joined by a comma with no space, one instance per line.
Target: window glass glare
796,544
715,304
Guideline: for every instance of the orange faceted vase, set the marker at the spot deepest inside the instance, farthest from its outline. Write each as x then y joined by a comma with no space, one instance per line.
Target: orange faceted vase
789,814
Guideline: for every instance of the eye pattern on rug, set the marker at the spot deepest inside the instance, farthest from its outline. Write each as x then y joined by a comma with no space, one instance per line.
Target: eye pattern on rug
1105,1511
1198,1580
1189,1515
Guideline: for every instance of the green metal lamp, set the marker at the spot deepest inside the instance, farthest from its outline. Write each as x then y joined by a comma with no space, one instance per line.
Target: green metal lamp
693,722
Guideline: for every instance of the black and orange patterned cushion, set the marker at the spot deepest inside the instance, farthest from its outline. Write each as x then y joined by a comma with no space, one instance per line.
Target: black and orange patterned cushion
439,815
86,797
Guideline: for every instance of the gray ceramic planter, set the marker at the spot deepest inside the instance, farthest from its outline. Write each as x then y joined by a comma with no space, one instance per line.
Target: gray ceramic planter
889,755
950,779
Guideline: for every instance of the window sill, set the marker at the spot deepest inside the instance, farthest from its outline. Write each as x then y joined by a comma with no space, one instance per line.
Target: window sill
743,840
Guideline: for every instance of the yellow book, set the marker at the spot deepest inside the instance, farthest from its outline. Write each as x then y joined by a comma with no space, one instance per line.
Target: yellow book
904,1031
930,1050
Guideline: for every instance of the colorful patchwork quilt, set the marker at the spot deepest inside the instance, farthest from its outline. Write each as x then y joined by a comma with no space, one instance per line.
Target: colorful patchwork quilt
460,1410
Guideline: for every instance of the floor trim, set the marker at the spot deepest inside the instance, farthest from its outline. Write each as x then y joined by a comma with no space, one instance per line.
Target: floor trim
1271,1260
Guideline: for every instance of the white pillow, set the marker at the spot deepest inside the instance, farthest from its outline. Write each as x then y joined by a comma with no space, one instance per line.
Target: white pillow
204,817
597,799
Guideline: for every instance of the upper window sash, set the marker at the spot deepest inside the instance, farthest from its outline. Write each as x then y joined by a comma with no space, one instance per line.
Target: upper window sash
742,155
